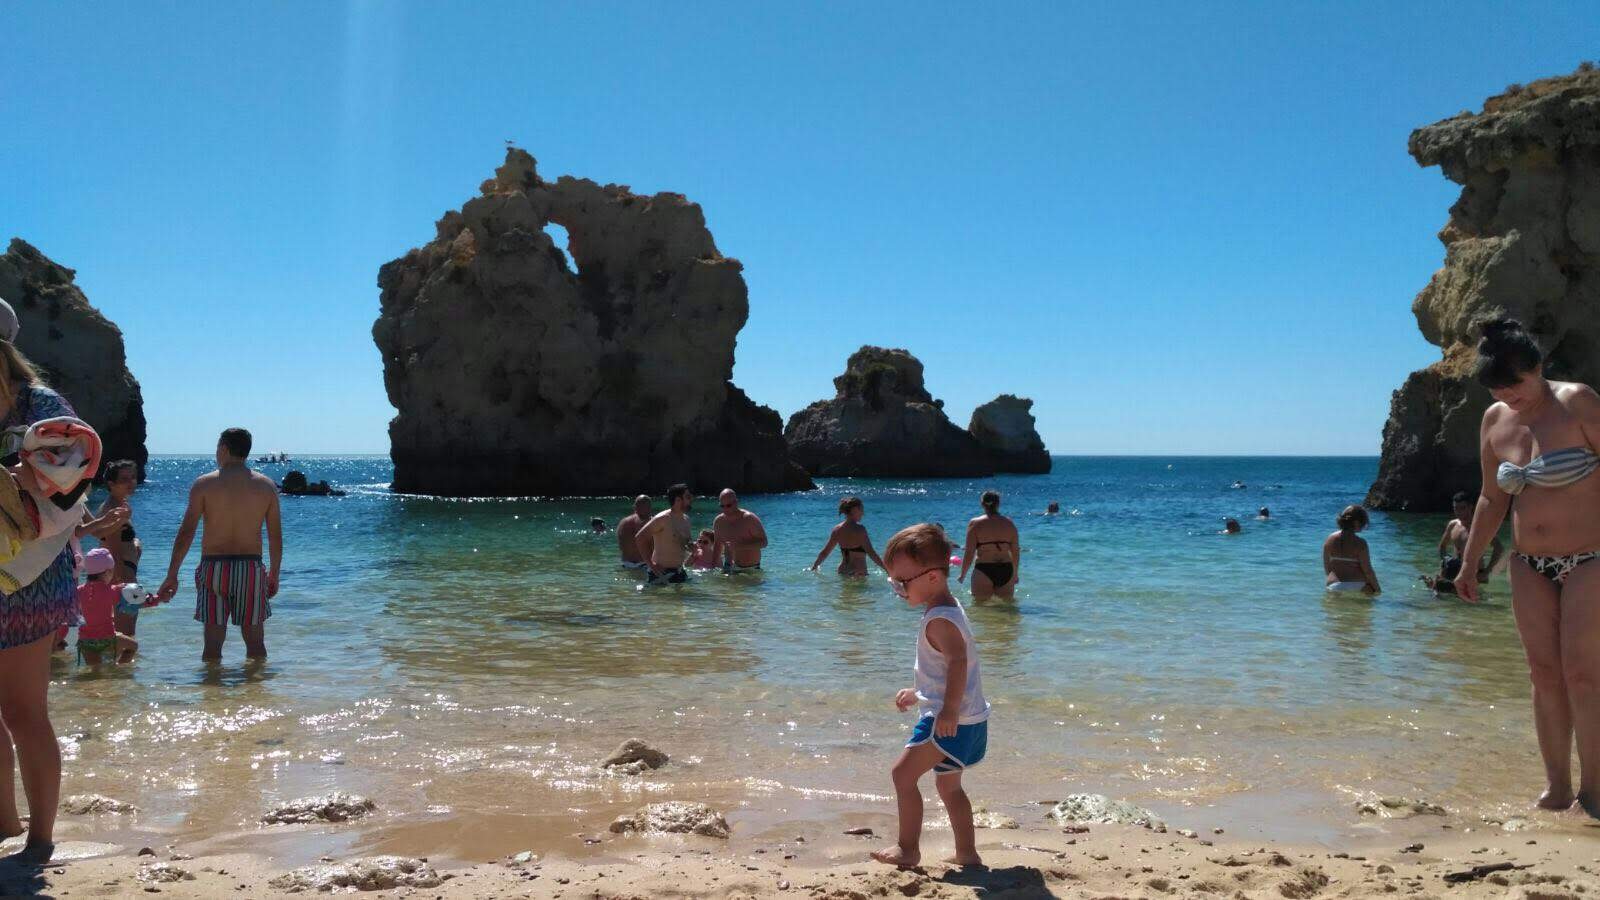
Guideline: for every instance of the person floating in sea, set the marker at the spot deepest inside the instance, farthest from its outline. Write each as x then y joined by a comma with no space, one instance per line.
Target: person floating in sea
1453,543
994,550
666,540
740,534
597,525
1054,509
1231,525
1537,448
952,730
1345,557
705,551
633,553
850,536
233,504
99,598
1263,514
119,537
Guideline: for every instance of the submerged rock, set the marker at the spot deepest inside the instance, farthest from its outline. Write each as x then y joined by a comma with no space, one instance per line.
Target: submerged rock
335,807
1523,239
79,350
375,873
1102,809
982,818
94,804
1399,807
514,373
634,757
162,873
674,817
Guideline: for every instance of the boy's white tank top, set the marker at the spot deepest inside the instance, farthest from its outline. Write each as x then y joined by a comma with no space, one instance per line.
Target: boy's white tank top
933,670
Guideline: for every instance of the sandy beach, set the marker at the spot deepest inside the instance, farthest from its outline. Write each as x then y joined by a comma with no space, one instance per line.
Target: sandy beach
1552,859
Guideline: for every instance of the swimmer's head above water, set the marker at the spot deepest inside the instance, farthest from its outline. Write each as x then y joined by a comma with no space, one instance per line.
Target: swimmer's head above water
1263,513
1053,509
597,525
1231,526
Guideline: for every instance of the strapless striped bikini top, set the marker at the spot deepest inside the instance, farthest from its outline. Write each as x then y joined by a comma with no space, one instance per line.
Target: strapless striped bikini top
1557,468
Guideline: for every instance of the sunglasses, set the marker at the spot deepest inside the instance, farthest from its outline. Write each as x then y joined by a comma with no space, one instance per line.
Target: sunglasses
900,587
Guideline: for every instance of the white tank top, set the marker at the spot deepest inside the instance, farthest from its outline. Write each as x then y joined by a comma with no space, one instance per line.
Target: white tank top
933,670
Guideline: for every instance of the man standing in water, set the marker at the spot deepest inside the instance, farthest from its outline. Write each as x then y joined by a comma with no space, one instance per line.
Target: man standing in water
739,534
234,504
633,557
666,539
1454,539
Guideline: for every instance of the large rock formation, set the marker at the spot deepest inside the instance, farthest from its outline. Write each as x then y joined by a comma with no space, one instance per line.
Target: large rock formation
78,350
1004,426
1524,239
515,375
882,422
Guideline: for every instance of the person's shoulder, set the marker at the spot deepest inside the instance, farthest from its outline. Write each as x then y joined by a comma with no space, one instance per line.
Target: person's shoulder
1580,398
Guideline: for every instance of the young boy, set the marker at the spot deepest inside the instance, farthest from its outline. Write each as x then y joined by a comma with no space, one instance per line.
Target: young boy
953,731
98,598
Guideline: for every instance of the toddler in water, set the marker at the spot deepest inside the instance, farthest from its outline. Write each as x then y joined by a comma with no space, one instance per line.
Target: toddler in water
705,551
952,733
98,598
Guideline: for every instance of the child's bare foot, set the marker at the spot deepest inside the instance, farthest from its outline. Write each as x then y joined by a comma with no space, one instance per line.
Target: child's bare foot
969,860
898,856
1556,798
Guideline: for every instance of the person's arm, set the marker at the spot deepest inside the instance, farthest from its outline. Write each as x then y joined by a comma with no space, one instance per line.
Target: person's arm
1497,549
1444,539
274,545
946,638
108,523
1016,556
1490,512
833,541
1327,557
871,553
645,540
623,540
966,553
1367,574
758,539
181,543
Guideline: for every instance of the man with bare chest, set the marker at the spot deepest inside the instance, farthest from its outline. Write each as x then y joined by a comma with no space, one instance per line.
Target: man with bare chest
740,535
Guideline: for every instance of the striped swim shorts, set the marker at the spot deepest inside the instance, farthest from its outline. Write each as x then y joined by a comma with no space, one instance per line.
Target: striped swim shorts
231,587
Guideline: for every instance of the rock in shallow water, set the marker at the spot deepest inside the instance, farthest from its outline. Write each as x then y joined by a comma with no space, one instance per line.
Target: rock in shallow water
674,817
1399,808
335,807
93,804
633,757
1100,808
374,873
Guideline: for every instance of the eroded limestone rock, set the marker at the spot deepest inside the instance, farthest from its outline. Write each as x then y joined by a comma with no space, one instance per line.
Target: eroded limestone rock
95,804
674,817
79,350
1102,809
335,807
1523,239
375,873
634,757
514,373
1005,427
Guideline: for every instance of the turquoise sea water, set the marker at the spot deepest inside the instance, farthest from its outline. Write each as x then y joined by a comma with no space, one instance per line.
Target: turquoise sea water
467,662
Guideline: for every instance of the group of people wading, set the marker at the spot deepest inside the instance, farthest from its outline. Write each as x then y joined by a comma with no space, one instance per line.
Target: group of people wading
663,544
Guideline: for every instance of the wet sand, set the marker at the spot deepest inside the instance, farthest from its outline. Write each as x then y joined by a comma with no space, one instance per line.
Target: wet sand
1554,861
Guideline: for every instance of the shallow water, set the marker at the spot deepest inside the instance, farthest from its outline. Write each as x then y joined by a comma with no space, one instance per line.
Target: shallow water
467,662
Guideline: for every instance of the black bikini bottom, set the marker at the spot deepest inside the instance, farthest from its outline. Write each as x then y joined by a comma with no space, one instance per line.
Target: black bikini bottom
998,573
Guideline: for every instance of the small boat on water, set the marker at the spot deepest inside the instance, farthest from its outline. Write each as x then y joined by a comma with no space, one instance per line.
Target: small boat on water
276,457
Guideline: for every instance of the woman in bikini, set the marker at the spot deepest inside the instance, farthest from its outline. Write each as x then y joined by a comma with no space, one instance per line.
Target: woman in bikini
992,551
1537,449
850,536
122,479
1345,557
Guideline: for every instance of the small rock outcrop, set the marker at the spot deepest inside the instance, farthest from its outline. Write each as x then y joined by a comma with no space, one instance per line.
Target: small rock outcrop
1005,427
79,351
95,804
374,873
1523,239
335,807
634,757
674,817
514,373
882,422
1098,808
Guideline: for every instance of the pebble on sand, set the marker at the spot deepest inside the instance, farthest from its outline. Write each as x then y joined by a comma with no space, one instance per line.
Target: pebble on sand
1098,808
91,804
374,873
163,873
634,757
674,817
335,807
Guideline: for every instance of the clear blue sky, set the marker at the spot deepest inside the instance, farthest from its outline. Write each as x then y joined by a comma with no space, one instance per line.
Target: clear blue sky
1178,227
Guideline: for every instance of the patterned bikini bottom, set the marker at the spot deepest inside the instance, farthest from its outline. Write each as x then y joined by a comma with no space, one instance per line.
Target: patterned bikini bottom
1557,568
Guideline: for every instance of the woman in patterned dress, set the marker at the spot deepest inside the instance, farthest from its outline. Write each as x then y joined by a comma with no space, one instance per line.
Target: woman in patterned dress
28,622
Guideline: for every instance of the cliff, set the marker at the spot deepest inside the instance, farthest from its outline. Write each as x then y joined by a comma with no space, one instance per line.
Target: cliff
883,423
1523,239
514,373
78,350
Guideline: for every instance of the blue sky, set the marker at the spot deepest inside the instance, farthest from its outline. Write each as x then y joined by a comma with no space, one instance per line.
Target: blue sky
1178,227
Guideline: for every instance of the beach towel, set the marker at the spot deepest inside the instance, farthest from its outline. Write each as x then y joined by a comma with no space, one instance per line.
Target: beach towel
59,459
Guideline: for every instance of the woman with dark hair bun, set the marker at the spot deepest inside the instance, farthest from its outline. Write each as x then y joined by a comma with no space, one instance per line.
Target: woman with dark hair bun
992,551
850,536
1346,559
1537,450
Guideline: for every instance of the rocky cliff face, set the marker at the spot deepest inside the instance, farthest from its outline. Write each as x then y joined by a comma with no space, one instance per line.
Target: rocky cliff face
1005,428
1524,239
882,422
513,374
79,351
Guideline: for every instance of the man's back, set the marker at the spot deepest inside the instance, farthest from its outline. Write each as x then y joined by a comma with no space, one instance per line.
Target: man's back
234,503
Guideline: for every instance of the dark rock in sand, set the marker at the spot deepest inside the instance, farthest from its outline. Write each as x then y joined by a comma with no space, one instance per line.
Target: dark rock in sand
1523,239
634,757
515,374
335,807
674,817
79,350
